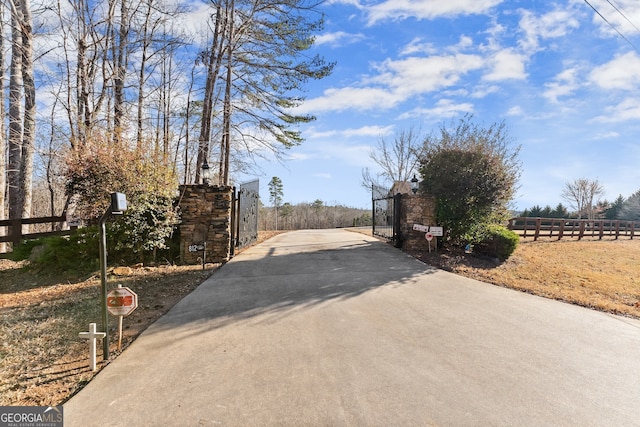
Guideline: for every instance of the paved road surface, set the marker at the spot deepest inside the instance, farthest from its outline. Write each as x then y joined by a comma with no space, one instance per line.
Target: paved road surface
333,328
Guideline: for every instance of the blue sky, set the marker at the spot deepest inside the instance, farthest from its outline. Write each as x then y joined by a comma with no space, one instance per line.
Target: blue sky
561,78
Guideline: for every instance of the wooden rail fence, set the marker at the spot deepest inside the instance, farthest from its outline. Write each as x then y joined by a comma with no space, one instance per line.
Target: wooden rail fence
573,228
13,228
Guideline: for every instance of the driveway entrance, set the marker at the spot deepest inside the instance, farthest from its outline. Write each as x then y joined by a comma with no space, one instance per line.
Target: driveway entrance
333,328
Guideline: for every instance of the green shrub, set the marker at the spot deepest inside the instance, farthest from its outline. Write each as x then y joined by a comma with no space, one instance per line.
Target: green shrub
497,242
74,254
79,253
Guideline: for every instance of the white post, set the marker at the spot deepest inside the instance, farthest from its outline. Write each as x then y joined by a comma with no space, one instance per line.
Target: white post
92,336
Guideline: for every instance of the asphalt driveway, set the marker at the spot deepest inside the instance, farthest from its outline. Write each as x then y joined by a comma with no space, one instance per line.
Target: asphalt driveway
334,328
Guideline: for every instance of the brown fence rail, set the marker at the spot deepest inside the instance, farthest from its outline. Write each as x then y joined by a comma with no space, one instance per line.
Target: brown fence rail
573,228
13,228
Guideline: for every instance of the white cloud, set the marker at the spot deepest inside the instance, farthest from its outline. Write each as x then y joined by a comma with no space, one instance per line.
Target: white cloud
481,91
394,10
515,111
554,24
444,108
506,64
606,135
357,132
425,74
628,109
368,131
564,84
625,19
622,72
338,38
196,21
396,81
350,98
417,45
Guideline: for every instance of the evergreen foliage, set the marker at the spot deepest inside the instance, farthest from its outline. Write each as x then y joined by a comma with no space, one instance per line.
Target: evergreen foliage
631,208
547,212
472,171
497,242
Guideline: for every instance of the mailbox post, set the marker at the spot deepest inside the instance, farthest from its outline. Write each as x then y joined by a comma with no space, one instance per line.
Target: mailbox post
117,207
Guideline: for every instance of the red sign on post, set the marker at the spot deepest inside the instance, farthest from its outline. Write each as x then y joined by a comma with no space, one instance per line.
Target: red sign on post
122,301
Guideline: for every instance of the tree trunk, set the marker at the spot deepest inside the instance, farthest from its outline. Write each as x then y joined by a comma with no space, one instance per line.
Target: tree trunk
215,58
3,141
29,120
225,144
120,66
146,41
16,193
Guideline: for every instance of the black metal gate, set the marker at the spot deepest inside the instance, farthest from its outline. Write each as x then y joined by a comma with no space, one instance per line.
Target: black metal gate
246,214
386,216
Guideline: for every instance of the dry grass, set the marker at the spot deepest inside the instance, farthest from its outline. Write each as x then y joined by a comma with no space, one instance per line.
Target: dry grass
602,275
42,359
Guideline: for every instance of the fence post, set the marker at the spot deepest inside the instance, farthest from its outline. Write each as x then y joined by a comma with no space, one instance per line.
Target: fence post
537,233
601,229
16,231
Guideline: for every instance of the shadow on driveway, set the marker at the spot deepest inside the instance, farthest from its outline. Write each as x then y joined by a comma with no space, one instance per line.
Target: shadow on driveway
280,275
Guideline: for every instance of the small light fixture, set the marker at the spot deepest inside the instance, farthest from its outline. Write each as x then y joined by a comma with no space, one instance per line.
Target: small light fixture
414,184
206,173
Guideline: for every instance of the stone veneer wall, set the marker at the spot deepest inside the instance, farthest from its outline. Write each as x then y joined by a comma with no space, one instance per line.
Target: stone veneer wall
205,213
416,209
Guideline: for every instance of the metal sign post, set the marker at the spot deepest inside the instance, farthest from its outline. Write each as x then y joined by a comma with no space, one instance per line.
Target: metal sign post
196,248
117,207
430,231
121,302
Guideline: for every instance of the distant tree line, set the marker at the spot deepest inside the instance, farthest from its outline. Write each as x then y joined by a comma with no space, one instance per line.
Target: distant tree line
560,211
315,215
582,194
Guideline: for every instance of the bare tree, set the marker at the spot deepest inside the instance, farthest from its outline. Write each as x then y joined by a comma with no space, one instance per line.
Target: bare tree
3,141
214,60
29,118
21,111
397,159
582,194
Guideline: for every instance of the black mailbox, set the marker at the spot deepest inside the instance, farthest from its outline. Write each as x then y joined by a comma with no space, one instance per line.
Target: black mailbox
118,203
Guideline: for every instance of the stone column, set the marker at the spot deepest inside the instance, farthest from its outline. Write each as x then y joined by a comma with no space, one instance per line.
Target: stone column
416,209
205,213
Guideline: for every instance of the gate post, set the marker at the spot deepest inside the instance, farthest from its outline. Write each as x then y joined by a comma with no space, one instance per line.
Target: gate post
397,232
235,223
205,223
